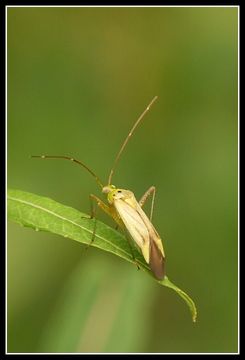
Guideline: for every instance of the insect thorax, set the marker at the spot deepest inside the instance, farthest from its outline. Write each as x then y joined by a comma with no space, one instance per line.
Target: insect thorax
114,193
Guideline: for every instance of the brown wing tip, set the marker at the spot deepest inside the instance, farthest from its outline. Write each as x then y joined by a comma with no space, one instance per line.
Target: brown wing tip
157,261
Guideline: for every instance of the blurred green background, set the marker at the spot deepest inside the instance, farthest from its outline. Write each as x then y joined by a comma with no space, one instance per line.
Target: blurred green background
78,78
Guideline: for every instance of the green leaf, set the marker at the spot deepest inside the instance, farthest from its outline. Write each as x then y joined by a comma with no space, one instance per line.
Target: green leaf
43,214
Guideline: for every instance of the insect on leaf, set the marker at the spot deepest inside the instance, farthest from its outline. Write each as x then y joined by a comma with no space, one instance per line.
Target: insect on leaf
44,214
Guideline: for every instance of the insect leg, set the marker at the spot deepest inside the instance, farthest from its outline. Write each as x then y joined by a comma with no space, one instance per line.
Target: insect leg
92,216
112,213
131,249
151,190
94,200
107,209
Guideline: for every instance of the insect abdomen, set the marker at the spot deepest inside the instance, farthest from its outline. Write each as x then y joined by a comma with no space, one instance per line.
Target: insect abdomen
156,261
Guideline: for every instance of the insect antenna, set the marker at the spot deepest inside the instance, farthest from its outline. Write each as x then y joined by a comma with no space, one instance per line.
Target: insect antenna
127,139
73,160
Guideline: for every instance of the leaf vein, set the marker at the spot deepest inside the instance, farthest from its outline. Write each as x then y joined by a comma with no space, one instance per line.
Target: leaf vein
66,220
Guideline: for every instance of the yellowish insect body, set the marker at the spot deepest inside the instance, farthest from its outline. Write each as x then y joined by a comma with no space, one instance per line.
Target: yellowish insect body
138,226
127,211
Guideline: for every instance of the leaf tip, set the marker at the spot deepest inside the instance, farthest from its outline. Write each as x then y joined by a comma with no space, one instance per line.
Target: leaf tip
187,298
194,316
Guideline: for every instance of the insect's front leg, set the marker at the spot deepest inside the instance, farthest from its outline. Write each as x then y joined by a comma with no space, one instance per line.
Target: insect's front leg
107,209
110,211
94,200
94,203
150,191
92,216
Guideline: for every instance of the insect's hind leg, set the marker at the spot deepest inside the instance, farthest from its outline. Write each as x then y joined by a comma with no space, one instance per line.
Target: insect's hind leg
150,191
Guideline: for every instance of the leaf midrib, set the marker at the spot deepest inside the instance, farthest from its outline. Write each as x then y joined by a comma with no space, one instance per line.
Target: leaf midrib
74,223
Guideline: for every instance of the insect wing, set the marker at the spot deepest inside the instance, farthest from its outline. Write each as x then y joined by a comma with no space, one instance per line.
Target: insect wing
156,252
143,233
152,231
134,225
